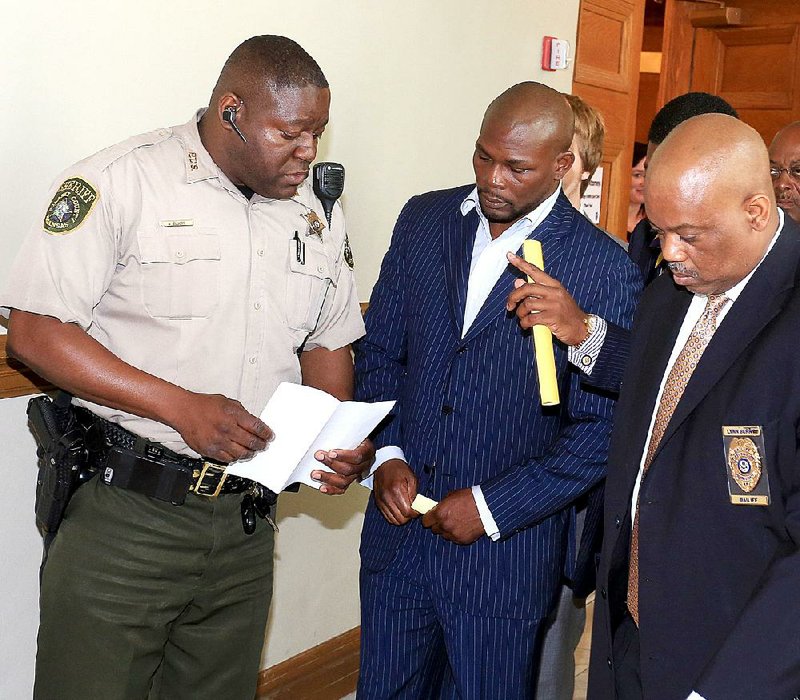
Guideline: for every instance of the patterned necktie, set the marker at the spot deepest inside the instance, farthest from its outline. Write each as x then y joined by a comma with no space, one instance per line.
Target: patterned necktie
676,382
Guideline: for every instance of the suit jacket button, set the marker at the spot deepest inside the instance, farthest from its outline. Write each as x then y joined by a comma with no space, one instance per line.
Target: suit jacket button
447,410
608,661
603,593
428,468
617,522
462,350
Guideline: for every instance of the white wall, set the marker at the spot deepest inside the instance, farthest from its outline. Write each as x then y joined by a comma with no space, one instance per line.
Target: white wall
20,552
410,82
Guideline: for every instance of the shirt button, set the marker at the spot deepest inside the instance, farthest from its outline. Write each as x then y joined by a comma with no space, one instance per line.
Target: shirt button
257,305
179,254
260,251
253,360
320,268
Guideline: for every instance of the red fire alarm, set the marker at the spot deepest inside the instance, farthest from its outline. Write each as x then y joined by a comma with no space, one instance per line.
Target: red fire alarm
555,53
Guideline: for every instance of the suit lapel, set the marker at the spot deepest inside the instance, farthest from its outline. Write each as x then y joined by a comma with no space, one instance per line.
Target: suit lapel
458,240
760,301
550,232
659,330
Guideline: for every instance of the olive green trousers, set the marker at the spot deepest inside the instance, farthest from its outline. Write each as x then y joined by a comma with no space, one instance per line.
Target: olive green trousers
143,599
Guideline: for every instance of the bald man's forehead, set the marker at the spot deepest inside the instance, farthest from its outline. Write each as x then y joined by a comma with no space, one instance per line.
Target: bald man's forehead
785,142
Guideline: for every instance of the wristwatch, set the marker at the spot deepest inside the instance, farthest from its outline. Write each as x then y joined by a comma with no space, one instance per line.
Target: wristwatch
590,321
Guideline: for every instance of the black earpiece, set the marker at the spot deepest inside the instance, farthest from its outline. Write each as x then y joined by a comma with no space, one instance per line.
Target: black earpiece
229,115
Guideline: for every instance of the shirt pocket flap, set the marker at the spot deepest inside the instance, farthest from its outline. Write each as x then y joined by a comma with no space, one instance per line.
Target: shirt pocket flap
311,262
178,249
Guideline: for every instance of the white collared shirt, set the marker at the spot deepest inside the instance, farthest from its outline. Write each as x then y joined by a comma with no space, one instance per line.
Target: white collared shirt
489,255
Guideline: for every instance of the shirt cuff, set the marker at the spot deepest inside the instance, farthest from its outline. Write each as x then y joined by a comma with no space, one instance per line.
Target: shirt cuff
486,515
695,696
584,356
384,454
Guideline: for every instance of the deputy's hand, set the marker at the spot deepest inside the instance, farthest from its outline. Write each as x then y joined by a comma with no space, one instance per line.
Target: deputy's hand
395,487
456,518
220,428
545,302
347,465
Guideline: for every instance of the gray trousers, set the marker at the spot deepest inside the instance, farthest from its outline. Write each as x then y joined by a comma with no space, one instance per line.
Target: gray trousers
563,630
140,598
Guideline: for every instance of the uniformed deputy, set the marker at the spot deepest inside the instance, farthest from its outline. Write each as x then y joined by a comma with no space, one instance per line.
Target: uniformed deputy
173,281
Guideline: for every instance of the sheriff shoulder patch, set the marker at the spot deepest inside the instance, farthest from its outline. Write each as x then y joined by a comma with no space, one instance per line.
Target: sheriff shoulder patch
71,204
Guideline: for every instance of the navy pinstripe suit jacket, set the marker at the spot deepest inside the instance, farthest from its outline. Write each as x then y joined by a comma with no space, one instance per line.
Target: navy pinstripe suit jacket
468,410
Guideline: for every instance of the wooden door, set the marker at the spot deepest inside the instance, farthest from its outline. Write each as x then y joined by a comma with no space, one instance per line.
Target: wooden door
607,77
746,52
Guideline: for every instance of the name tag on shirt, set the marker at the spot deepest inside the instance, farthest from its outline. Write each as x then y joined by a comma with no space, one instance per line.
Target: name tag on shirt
173,223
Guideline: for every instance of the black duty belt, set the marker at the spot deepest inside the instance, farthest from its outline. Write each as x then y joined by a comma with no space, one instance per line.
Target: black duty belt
130,461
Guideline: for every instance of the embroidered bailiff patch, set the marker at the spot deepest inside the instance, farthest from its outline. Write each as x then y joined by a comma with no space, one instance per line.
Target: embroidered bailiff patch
70,206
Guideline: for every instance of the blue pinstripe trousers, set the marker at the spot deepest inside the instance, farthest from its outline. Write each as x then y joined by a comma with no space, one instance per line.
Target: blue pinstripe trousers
415,645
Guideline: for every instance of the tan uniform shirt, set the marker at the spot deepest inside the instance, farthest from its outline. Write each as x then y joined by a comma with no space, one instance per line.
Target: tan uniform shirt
152,250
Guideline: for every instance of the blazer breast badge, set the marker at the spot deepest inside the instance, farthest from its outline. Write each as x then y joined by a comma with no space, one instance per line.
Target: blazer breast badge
748,482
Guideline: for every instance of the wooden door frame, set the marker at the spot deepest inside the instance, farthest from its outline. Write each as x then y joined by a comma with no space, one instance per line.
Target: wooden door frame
614,90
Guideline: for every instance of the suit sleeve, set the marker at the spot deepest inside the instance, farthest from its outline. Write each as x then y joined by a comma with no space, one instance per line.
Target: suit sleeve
611,361
527,493
380,357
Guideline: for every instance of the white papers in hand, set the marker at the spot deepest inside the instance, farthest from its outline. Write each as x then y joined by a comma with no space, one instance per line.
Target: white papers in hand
305,420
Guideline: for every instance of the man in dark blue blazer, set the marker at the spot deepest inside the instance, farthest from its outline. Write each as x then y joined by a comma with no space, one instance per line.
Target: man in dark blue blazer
700,567
452,604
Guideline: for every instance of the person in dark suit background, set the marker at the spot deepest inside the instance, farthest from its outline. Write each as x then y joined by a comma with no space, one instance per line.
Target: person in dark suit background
784,164
452,604
700,566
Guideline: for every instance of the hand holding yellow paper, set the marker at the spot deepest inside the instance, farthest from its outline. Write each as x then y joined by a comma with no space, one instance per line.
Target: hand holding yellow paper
422,504
542,337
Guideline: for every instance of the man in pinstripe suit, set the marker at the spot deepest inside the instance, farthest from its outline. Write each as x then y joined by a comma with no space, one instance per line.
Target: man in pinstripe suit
452,604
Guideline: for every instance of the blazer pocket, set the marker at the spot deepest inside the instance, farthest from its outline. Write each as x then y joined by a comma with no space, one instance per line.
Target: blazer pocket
180,273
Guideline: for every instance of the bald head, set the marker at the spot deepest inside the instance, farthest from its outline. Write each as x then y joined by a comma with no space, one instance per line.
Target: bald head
789,134
784,160
709,195
712,151
533,105
522,152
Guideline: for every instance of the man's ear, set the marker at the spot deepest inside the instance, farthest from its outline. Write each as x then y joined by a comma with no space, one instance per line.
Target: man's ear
758,209
564,162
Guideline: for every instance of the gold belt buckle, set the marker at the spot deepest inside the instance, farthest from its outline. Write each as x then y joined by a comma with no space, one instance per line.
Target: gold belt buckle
210,470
